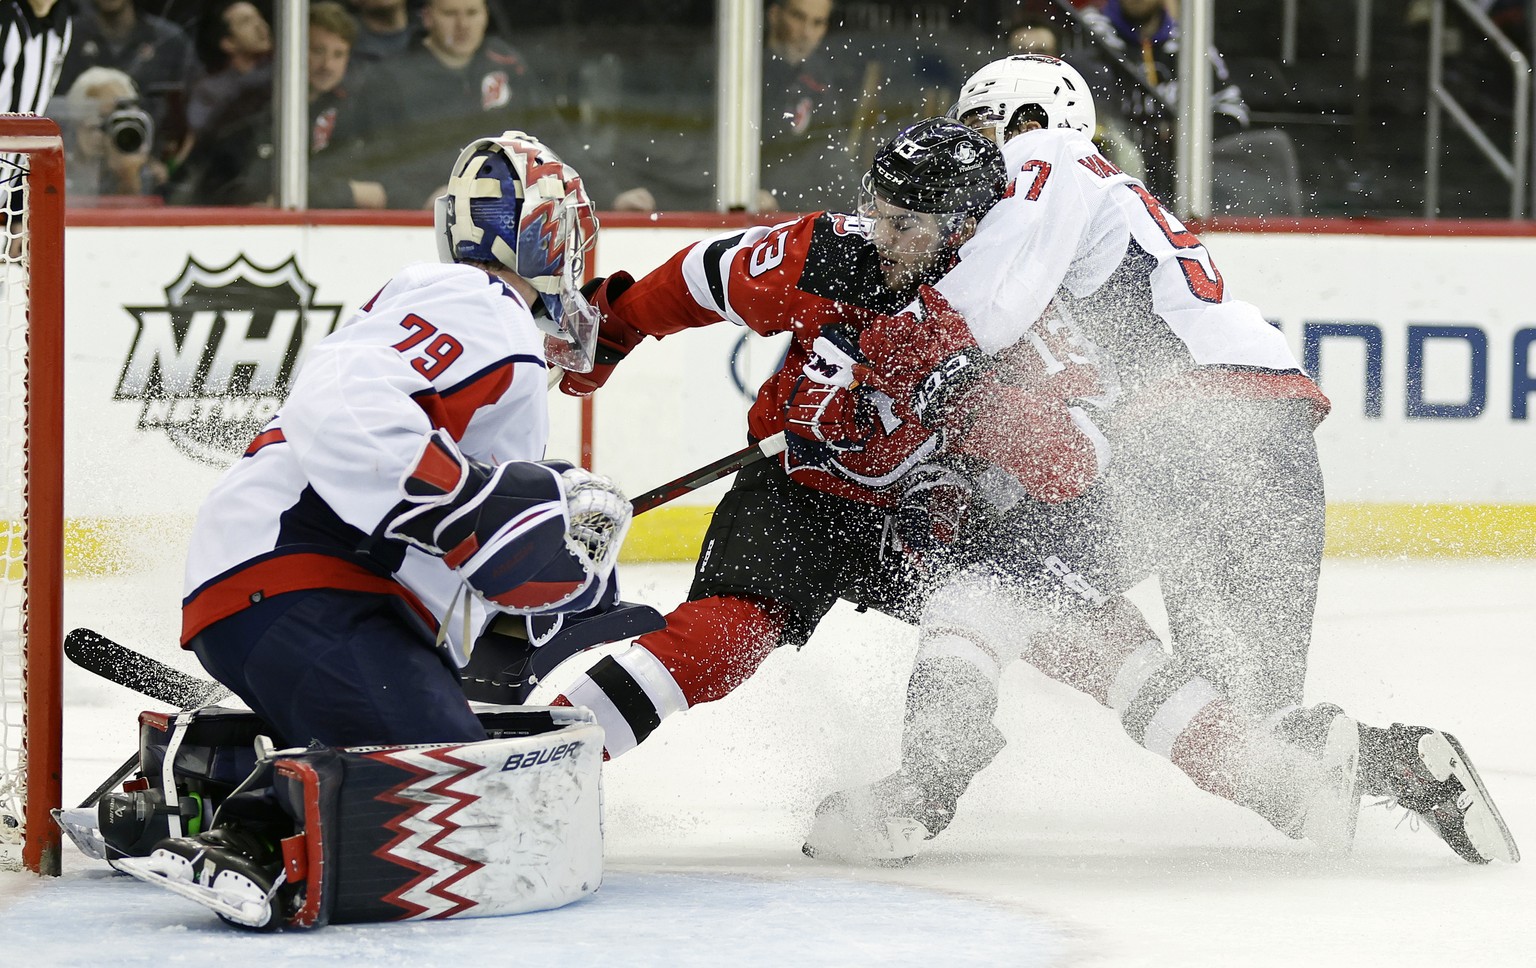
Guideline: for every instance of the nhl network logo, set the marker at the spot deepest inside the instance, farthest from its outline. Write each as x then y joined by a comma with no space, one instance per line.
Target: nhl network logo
212,365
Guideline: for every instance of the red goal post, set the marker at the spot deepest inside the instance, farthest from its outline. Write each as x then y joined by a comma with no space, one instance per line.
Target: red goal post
32,581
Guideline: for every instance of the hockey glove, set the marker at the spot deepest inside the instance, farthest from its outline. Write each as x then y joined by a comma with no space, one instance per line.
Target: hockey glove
824,416
926,354
615,336
836,359
933,508
525,536
599,516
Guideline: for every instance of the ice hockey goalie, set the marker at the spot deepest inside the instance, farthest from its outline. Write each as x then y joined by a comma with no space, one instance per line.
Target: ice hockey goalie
312,837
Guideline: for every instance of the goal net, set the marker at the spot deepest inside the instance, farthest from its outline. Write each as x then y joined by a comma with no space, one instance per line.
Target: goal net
31,464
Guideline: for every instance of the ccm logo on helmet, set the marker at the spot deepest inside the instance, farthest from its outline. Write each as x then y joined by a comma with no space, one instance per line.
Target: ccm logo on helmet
550,754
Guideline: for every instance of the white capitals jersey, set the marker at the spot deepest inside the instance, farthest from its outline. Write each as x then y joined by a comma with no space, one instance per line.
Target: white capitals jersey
1138,284
440,346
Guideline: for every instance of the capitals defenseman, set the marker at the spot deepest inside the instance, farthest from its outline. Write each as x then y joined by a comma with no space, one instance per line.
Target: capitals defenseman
342,568
1214,487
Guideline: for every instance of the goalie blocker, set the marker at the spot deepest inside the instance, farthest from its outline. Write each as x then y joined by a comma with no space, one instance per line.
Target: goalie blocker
503,826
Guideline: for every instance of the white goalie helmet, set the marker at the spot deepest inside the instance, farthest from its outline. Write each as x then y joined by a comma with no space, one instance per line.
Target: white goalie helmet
512,202
991,100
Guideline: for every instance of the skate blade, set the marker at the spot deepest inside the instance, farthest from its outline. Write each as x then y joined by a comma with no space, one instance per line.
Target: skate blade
79,825
252,912
891,843
1334,813
1442,753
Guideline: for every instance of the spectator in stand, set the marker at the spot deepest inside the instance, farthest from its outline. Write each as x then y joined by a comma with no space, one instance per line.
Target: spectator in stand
805,157
1033,33
153,51
96,162
805,126
235,165
1253,173
1145,34
384,29
457,84
234,43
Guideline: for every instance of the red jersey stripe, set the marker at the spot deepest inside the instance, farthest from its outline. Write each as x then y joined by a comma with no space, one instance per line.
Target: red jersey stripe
286,573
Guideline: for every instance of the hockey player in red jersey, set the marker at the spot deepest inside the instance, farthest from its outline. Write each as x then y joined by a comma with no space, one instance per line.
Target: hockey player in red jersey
788,540
1214,487
341,569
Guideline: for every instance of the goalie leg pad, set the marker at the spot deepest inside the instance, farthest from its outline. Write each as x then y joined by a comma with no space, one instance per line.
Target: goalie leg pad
502,826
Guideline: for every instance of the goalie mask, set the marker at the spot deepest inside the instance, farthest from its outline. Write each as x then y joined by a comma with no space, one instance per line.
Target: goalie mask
1044,89
512,202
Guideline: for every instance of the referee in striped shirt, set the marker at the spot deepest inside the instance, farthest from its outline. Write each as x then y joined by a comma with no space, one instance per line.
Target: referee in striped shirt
34,37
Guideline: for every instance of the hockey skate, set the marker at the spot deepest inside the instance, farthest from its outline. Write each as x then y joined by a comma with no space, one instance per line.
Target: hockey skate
1330,807
884,823
233,873
1427,772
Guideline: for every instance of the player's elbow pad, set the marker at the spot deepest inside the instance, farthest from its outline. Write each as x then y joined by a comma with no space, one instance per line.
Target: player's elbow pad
525,536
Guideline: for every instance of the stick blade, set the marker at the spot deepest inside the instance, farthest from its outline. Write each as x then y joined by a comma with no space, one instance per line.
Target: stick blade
94,652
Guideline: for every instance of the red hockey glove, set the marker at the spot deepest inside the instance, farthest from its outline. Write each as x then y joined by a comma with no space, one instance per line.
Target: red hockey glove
925,354
615,335
836,358
826,414
822,405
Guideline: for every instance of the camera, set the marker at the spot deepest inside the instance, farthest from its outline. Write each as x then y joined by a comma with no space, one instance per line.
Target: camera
128,127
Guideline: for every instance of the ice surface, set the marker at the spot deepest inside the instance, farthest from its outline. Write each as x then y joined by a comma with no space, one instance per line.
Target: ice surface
1073,848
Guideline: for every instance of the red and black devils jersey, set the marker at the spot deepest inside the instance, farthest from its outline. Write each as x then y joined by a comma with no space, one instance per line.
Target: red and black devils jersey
820,270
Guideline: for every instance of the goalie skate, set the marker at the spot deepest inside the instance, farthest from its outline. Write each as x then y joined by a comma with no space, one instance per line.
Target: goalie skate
215,871
79,825
884,823
1428,772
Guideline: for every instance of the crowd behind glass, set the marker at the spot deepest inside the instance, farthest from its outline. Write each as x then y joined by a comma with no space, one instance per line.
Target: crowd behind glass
169,102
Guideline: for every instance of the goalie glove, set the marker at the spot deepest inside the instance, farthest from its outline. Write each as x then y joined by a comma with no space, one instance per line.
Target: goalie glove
615,335
524,536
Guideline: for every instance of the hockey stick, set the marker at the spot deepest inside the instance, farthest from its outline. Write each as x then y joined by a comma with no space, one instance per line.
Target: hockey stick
94,652
711,472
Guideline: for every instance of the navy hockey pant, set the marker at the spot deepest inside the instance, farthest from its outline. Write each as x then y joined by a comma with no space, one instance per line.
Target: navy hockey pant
341,668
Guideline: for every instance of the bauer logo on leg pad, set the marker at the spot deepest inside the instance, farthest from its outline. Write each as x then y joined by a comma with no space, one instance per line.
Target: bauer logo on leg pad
522,761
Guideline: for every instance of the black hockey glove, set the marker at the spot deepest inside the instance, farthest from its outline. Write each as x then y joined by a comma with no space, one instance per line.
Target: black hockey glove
525,536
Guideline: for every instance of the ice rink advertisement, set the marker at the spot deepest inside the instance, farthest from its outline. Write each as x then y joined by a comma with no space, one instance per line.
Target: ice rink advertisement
182,340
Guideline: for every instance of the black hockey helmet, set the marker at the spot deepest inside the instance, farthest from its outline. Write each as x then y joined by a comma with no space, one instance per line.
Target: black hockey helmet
938,166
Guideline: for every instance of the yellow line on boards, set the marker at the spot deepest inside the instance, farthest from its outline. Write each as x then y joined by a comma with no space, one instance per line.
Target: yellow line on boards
97,547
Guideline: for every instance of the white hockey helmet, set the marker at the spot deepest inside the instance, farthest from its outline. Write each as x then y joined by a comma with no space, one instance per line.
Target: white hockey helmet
512,202
993,97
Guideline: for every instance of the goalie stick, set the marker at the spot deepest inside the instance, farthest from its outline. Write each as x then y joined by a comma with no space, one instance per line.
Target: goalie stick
94,652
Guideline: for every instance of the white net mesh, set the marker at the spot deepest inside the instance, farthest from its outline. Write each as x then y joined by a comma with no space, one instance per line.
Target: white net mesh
14,279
